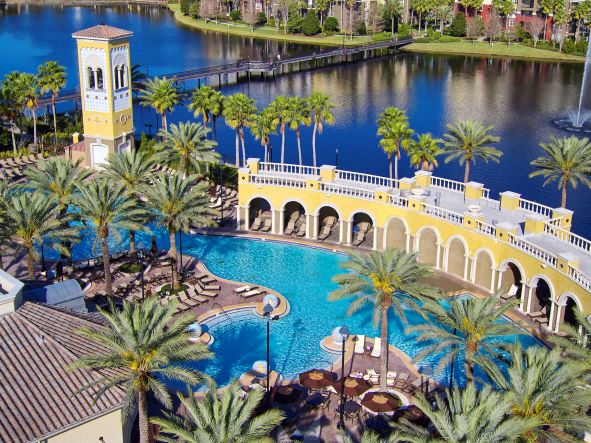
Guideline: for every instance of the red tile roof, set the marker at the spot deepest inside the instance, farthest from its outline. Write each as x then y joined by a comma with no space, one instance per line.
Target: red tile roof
38,391
102,32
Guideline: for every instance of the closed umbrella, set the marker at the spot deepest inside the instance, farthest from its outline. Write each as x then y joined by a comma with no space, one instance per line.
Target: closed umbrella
353,387
317,378
381,402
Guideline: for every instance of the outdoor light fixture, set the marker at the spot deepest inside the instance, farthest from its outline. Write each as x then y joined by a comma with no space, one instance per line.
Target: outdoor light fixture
344,333
267,311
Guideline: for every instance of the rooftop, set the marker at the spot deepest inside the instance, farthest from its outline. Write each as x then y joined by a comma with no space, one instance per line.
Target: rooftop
102,32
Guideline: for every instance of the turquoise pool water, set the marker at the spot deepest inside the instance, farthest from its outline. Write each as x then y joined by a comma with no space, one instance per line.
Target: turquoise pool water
304,276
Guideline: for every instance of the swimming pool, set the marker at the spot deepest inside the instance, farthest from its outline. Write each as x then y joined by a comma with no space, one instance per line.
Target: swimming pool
304,276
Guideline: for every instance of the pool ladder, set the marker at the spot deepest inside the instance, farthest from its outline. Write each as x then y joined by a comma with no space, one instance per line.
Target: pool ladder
222,311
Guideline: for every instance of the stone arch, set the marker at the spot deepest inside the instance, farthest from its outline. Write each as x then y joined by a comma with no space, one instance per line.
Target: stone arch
361,229
329,224
293,215
542,295
260,211
456,256
396,233
568,301
483,267
427,243
512,274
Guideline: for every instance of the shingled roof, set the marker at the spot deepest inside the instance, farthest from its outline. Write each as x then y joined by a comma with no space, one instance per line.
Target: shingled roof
38,393
102,32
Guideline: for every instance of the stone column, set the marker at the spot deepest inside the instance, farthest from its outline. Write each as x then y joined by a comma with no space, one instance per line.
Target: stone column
556,316
438,258
527,299
341,228
445,265
95,75
315,224
408,242
377,235
492,278
281,222
348,233
308,236
275,216
466,265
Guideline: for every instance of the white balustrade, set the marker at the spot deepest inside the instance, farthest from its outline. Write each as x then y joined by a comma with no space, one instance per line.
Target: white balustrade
290,169
445,183
445,214
397,200
288,182
350,191
368,179
531,249
486,229
575,240
580,278
537,208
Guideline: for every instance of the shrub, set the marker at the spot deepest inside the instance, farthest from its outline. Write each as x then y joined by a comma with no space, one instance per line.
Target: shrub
271,22
582,46
185,6
361,29
261,18
458,25
235,15
569,46
294,24
432,35
449,39
310,24
422,40
331,24
404,30
194,9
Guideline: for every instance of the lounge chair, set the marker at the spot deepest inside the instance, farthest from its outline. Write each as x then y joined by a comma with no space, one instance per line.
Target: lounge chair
291,223
402,380
372,376
512,293
251,293
256,224
377,347
217,203
208,287
207,280
324,232
360,344
243,289
187,301
391,378
301,230
267,225
198,298
204,292
360,236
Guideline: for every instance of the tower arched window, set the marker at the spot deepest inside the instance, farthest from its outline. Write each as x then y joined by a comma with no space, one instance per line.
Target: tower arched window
123,74
99,78
90,78
116,78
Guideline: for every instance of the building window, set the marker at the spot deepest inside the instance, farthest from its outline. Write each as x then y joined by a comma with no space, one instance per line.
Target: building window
99,78
90,78
116,77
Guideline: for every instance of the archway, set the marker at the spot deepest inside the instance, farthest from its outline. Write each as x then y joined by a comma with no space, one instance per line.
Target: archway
294,219
329,224
569,312
512,279
260,215
482,273
427,248
395,234
541,300
456,257
362,230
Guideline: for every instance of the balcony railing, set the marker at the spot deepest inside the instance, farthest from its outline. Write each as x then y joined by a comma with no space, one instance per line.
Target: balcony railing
351,191
575,240
536,208
287,182
282,168
367,179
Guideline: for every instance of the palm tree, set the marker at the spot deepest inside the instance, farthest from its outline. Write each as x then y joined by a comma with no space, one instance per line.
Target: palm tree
108,207
239,112
467,140
132,170
264,125
51,77
321,108
184,146
8,109
395,132
466,328
568,162
538,385
387,279
394,9
140,347
30,98
178,203
424,151
229,419
161,94
216,108
465,416
32,216
281,109
13,98
300,115
138,78
201,103
574,342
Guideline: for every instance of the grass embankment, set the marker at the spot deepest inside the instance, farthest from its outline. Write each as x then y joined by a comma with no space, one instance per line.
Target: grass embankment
499,49
269,33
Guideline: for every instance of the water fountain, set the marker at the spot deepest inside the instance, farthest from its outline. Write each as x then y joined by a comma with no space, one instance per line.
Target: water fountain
579,120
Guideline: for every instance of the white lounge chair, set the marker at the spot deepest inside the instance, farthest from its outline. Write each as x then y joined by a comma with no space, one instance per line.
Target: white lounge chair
360,344
324,232
377,347
251,293
267,226
372,376
217,203
243,289
291,223
302,230
256,224
391,378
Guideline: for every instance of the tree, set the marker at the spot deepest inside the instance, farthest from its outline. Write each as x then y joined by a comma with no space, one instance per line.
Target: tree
468,140
470,4
184,147
281,109
445,14
582,14
299,115
469,327
6,225
331,24
161,94
395,133
568,161
321,109
239,112
393,9
140,346
387,279
216,108
107,208
8,109
264,125
458,25
539,386
375,18
311,24
283,11
505,8
554,7
465,416
138,77
423,152
250,15
32,216
51,77
132,170
321,7
14,94
493,27
229,419
208,10
201,103
29,94
535,26
178,203
574,343
420,7
474,28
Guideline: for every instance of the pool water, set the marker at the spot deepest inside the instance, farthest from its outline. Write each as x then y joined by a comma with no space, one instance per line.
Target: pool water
304,276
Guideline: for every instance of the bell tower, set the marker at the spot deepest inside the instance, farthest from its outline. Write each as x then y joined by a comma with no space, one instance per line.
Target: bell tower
105,90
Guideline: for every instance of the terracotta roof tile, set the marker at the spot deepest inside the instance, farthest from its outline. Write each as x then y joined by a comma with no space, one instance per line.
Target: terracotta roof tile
102,32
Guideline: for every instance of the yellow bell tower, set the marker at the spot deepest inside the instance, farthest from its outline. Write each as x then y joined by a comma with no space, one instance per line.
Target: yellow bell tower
105,89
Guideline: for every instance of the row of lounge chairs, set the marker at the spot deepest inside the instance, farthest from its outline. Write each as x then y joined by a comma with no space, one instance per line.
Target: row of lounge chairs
364,229
360,346
327,224
11,174
296,224
19,162
262,222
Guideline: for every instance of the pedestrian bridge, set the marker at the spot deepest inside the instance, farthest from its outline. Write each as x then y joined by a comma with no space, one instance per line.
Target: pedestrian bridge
520,246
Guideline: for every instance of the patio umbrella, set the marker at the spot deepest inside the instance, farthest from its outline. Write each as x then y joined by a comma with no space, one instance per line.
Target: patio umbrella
288,394
317,378
354,387
381,402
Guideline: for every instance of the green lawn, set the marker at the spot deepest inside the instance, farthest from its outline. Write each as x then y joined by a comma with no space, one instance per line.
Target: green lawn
499,49
265,32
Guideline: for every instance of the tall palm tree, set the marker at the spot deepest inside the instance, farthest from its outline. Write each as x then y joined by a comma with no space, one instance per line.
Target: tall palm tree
423,152
281,109
9,109
201,103
131,169
13,97
229,419
178,203
321,108
538,385
467,140
574,343
387,279
161,94
140,347
216,108
239,112
184,146
394,9
32,216
264,125
395,132
300,116
107,208
466,328
51,77
471,415
30,98
568,161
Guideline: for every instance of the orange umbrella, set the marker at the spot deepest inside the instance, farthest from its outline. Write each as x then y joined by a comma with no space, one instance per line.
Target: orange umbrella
353,387
381,402
317,378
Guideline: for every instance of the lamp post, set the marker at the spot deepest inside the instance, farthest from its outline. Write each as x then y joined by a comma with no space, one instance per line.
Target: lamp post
221,163
267,310
344,332
141,254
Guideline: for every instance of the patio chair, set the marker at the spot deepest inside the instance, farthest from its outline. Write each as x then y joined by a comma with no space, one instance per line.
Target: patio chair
301,230
360,344
251,293
324,232
217,203
372,376
209,287
184,299
318,401
391,378
244,289
510,294
194,296
256,224
267,225
205,293
291,223
207,280
377,347
402,380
